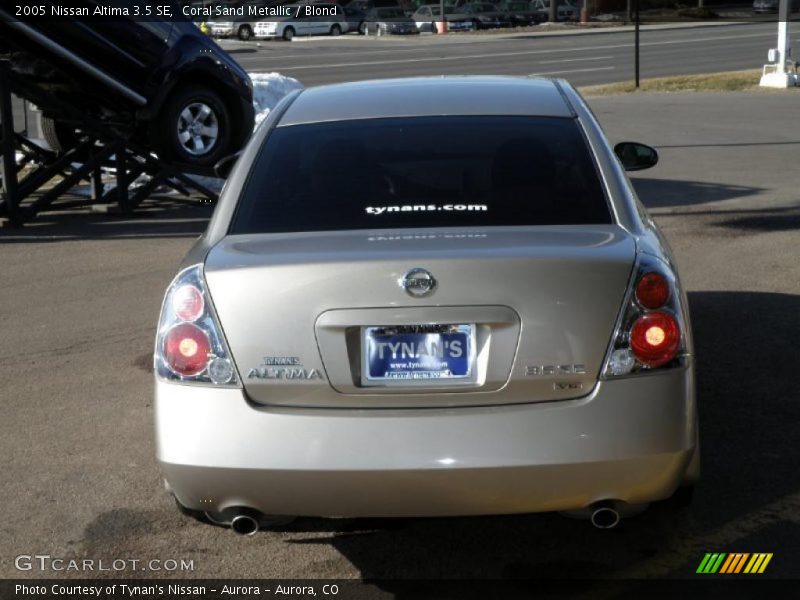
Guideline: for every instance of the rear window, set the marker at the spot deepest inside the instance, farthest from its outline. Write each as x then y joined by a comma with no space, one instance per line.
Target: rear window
422,172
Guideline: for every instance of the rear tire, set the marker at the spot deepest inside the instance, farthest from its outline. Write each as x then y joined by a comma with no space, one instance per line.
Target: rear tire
362,28
335,31
245,33
59,136
193,127
288,34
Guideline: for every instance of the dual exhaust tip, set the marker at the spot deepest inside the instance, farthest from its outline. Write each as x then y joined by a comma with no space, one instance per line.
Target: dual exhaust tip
245,524
603,515
606,514
247,521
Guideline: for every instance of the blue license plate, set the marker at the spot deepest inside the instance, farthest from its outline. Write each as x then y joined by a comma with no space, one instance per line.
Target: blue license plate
418,352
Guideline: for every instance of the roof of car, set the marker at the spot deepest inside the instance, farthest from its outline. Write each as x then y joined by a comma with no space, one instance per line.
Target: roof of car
428,96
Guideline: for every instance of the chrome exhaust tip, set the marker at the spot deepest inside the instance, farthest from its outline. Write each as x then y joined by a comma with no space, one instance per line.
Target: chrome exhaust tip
604,516
244,524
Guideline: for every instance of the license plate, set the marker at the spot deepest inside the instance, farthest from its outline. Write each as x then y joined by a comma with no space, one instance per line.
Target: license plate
418,352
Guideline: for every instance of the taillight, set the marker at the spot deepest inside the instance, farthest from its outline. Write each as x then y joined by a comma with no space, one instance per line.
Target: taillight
655,338
190,346
651,331
186,349
187,303
652,290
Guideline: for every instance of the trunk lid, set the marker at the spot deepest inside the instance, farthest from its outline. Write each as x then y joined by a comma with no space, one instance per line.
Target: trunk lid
542,302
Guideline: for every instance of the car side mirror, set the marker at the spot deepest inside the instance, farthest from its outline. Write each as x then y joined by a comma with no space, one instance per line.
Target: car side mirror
635,156
225,165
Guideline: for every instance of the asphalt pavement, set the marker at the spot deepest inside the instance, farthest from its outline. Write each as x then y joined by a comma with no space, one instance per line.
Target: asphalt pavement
80,296
585,58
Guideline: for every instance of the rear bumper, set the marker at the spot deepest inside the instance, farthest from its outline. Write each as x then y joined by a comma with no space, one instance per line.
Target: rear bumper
629,440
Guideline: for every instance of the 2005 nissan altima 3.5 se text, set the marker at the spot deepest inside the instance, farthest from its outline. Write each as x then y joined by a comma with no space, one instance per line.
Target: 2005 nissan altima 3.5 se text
427,297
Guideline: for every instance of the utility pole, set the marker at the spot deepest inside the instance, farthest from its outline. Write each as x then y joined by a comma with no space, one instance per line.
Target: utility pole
553,11
636,40
781,72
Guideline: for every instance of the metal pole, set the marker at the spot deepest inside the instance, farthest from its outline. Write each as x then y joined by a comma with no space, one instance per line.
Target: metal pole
781,72
636,41
784,43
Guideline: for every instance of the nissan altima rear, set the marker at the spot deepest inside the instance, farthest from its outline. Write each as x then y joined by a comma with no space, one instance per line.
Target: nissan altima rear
427,297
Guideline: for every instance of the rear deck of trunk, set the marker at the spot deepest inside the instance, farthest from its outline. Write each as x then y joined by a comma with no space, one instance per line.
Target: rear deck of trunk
540,303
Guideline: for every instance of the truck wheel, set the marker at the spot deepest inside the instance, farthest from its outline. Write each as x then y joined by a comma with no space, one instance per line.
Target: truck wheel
194,127
60,136
245,33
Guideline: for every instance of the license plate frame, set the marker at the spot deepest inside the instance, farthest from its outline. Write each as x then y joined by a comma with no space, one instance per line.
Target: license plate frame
423,366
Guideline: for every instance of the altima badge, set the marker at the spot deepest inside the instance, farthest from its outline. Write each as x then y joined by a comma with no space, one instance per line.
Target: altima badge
283,373
418,283
283,367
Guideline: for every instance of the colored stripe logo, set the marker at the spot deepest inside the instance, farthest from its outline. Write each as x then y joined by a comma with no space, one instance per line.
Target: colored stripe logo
734,563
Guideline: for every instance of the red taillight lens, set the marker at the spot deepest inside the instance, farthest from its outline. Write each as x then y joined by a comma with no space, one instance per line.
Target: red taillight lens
187,303
186,349
652,290
655,338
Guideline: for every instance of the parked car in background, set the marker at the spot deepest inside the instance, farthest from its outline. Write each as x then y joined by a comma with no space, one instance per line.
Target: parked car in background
765,6
487,16
428,15
521,12
354,15
393,20
298,24
240,26
565,10
162,84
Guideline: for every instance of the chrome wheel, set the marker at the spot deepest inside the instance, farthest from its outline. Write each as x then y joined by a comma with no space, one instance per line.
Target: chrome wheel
198,128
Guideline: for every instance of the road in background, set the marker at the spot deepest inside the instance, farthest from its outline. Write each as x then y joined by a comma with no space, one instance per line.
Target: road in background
584,59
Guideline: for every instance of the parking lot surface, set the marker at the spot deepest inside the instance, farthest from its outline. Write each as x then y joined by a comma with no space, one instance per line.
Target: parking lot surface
585,58
79,301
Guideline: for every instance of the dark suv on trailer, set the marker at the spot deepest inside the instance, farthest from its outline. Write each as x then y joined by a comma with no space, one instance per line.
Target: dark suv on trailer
160,83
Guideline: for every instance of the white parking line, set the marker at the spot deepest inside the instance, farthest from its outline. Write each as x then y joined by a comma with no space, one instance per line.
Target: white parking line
571,71
519,53
569,60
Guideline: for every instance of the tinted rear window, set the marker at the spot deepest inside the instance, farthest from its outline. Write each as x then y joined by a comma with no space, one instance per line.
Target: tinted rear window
422,172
